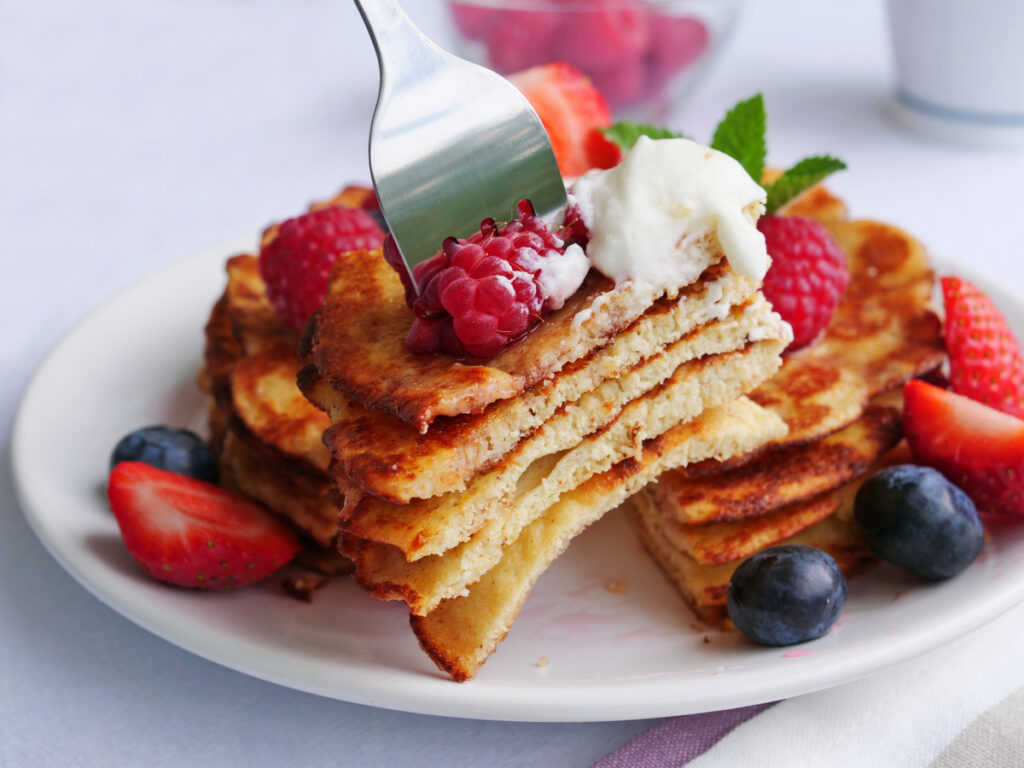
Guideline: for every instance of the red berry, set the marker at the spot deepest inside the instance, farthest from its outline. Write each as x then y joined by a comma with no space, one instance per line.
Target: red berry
474,21
676,42
807,277
984,357
522,39
622,83
611,34
295,264
479,294
976,447
394,259
571,108
194,534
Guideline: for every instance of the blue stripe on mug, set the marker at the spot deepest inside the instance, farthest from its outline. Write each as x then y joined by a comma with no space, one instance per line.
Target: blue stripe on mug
1010,120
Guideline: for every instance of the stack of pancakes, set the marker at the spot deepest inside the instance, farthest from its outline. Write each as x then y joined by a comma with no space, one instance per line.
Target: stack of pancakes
463,481
840,398
267,436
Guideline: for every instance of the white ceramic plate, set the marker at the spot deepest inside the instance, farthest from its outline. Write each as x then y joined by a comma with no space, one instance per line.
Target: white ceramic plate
608,656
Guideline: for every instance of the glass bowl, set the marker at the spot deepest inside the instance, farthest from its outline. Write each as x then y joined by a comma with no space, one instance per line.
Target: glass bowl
642,55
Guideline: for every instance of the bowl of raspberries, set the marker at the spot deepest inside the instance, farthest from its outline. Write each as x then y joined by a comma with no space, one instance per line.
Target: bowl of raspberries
641,54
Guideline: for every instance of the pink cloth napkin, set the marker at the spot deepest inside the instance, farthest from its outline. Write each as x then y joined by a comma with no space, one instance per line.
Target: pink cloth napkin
676,741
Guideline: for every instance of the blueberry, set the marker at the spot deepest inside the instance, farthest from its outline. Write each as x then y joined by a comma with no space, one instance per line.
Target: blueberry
914,518
176,450
786,595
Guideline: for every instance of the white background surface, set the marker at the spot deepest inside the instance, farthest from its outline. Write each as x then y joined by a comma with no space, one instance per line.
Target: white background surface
133,134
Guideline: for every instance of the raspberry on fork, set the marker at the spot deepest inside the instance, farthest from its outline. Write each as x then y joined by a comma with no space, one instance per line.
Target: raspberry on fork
478,295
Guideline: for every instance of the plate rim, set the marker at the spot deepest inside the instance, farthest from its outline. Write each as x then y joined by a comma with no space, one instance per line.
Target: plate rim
434,695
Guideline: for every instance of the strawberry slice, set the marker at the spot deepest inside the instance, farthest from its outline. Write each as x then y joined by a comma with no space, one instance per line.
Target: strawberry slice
977,447
985,361
194,534
572,110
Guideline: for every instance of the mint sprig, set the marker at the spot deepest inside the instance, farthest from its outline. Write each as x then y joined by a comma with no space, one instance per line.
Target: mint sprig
800,178
741,135
625,134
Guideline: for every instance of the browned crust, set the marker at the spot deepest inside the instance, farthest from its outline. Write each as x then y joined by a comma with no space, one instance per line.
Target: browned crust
244,343
358,345
779,476
465,631
220,353
737,540
452,665
883,333
817,203
352,547
709,604
266,400
392,460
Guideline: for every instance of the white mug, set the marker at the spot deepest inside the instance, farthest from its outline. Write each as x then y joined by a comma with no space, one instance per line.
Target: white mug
960,67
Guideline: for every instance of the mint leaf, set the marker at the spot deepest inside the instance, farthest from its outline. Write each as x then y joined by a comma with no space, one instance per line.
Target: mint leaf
625,133
741,135
799,178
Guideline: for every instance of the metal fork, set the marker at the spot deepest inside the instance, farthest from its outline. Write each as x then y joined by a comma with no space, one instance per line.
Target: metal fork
451,143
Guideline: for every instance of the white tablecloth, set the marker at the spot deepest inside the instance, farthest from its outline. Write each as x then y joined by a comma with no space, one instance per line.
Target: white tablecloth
133,134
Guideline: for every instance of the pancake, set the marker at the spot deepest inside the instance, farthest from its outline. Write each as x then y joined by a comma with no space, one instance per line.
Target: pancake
702,384
253,319
884,333
358,339
267,401
840,398
461,633
717,543
251,366
266,435
617,412
704,586
221,352
312,510
776,478
816,203
392,460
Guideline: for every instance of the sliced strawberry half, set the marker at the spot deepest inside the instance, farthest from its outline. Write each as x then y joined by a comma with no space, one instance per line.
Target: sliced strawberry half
985,361
194,534
977,447
572,110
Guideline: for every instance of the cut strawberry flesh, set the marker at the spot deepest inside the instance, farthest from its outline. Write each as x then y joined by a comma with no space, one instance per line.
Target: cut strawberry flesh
194,534
570,107
977,447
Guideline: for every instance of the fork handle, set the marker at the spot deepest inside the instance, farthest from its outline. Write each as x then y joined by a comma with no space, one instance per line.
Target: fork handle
395,38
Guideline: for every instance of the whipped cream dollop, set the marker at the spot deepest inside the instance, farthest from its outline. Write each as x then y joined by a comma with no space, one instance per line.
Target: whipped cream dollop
648,215
562,274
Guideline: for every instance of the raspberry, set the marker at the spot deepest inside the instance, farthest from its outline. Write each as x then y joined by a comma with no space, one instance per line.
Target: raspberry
676,42
807,276
613,34
295,264
479,294
522,39
623,82
472,21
